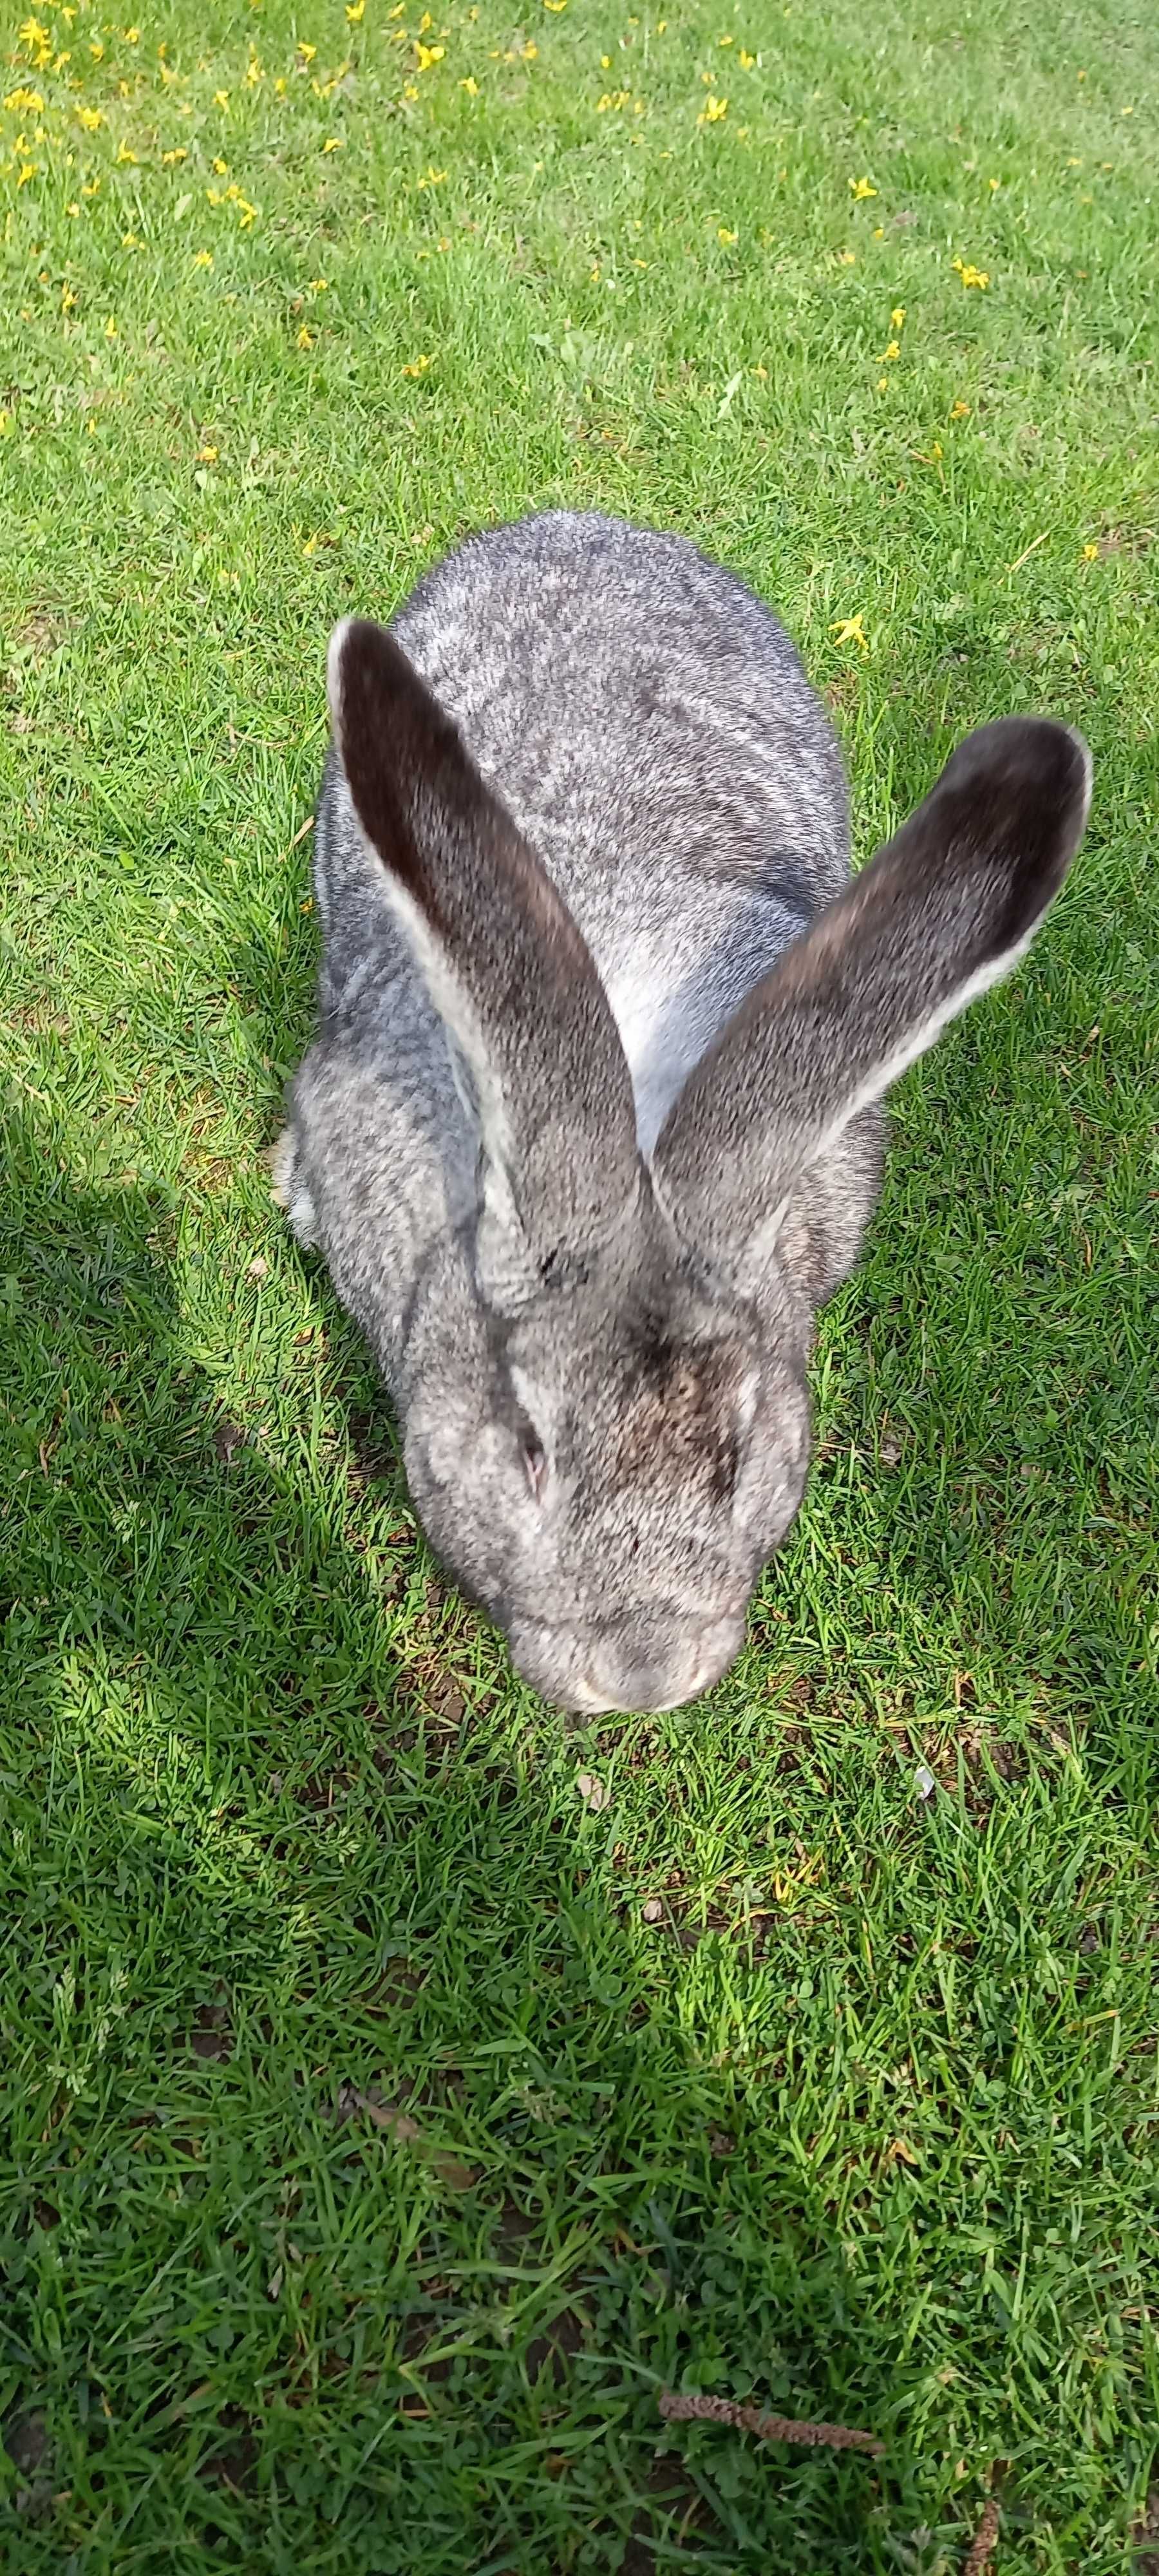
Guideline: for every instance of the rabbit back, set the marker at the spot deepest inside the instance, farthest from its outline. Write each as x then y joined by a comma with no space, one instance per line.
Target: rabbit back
648,726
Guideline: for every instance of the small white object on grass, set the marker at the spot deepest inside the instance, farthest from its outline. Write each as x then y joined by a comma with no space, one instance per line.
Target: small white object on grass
924,1781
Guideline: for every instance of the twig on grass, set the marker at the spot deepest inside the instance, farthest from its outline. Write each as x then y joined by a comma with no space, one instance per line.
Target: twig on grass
694,2408
982,2547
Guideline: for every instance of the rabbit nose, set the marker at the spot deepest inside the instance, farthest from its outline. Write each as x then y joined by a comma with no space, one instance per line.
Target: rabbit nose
646,1688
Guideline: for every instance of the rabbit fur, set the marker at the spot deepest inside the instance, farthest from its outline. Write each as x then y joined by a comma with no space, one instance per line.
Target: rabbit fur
589,1126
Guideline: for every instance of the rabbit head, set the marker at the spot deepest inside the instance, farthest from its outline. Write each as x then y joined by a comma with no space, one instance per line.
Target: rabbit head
604,1406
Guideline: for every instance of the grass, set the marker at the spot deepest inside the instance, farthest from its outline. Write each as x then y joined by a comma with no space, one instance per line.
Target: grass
385,2123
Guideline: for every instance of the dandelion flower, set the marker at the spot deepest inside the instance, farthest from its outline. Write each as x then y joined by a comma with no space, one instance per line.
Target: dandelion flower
132,35
1090,554
713,110
357,13
850,630
897,317
416,366
723,235
203,259
883,384
26,102
110,328
306,51
971,276
747,61
891,353
859,188
67,299
333,143
428,55
470,85
90,118
959,411
305,338
207,456
168,158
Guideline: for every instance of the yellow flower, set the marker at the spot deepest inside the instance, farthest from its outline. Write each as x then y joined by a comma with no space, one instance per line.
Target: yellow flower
847,258
32,33
67,299
714,109
72,210
317,286
221,167
531,53
890,353
470,85
1090,554
203,259
28,170
409,90
429,54
897,317
90,188
254,72
179,154
307,52
723,235
127,160
959,411
131,241
279,87
305,338
207,456
859,188
746,61
416,366
97,50
90,118
132,35
333,143
971,276
221,98
849,630
555,6
26,102
883,384
432,178
110,329
357,13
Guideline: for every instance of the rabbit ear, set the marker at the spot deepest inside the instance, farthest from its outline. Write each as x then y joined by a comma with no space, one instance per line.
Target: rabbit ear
503,961
943,912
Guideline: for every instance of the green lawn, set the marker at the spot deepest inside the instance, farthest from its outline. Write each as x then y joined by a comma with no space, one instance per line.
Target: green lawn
762,2074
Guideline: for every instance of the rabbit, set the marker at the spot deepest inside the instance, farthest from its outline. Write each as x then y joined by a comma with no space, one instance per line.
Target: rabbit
590,1125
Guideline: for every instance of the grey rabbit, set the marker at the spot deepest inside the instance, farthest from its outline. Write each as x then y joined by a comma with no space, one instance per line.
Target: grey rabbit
589,1125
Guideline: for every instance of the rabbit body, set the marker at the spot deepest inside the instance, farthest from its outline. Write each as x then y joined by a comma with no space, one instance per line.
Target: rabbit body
581,1201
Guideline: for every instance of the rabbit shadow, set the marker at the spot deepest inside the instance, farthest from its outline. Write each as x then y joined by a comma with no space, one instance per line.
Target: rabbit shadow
197,1634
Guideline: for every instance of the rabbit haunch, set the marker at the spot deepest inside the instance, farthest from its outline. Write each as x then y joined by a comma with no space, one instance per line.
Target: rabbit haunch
590,1126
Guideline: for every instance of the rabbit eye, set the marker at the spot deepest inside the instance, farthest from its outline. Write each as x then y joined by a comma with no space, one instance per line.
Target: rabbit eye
534,1457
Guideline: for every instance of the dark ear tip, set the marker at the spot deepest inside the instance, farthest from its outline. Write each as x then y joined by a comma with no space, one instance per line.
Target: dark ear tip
363,658
1037,770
